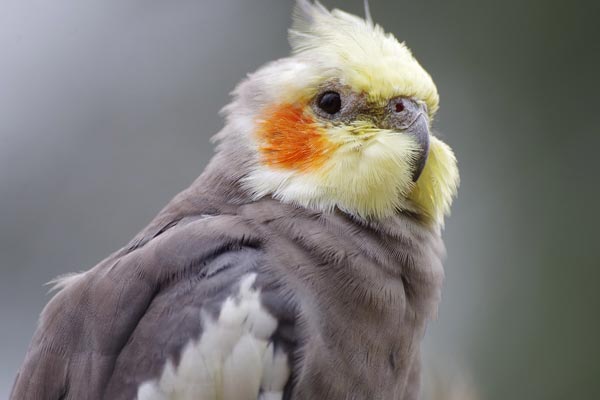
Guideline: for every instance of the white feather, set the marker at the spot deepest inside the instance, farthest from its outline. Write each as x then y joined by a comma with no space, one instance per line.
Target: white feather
232,360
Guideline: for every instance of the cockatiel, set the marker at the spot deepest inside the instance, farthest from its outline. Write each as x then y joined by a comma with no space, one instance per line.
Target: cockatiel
303,263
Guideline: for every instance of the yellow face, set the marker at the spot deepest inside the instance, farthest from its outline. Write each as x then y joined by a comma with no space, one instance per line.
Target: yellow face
349,126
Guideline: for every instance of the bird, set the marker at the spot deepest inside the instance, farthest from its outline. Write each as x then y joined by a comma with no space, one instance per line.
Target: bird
304,262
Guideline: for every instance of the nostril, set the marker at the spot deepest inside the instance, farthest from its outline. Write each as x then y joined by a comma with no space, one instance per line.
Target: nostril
400,106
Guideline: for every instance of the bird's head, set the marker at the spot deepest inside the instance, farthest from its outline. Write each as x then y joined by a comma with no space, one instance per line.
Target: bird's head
342,123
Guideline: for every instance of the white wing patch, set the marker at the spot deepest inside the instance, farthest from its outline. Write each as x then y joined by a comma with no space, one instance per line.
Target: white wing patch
232,360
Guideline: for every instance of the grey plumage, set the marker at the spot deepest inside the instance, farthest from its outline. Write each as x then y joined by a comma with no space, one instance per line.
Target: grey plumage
354,295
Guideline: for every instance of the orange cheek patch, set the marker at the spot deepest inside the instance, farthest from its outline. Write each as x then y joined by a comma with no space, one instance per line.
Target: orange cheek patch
290,139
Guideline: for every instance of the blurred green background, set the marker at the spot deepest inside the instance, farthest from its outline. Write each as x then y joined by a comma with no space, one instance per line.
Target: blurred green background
106,110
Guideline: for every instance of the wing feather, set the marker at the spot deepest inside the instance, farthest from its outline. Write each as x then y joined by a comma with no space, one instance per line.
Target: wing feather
178,316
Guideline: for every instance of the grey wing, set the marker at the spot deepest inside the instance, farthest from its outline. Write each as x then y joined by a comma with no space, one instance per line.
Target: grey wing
189,314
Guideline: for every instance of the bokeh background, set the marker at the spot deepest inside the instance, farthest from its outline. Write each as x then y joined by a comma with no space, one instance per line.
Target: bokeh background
107,107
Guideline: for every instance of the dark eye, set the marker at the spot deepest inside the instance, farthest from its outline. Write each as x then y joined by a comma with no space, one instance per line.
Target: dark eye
330,102
399,106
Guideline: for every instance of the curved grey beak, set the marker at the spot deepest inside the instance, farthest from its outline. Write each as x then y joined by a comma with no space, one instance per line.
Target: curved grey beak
419,129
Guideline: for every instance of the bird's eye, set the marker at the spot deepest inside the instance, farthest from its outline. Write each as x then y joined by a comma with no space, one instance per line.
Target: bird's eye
399,106
330,102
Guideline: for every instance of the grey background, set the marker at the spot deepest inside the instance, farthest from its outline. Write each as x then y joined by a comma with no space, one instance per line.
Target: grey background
106,110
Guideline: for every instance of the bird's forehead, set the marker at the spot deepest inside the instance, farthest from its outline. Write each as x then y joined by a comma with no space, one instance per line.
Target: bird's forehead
381,80
377,77
373,82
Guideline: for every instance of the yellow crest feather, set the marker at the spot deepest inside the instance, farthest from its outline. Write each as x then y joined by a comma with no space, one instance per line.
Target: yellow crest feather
370,60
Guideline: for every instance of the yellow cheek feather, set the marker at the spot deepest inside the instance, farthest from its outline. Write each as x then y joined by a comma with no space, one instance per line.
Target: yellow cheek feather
438,183
369,178
358,168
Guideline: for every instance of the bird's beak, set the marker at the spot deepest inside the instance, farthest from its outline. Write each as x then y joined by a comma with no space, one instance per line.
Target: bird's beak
419,129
